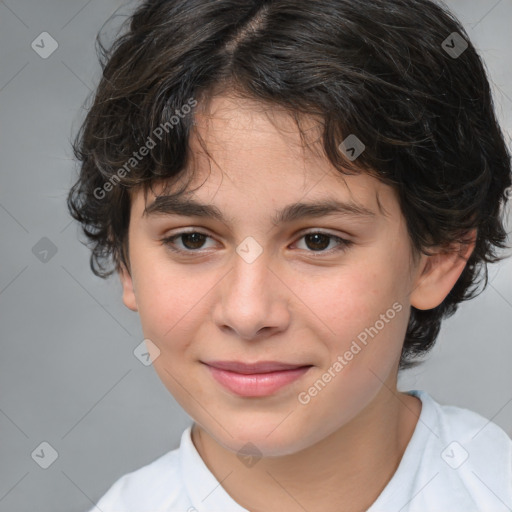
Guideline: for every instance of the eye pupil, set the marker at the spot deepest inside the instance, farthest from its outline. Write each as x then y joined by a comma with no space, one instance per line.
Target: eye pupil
316,244
197,240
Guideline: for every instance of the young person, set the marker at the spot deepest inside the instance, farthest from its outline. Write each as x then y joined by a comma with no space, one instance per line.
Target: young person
294,195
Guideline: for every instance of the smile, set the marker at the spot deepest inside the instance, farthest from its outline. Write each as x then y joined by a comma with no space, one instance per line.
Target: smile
255,380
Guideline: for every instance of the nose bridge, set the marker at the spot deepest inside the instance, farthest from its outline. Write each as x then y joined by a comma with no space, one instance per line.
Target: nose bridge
250,275
250,296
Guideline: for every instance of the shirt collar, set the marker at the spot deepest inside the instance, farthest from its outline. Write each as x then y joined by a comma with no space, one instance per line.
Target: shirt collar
204,491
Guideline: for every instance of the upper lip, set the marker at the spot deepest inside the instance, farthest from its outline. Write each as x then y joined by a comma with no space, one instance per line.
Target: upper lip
249,368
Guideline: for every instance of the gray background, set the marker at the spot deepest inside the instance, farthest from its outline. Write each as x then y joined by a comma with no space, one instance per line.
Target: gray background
68,375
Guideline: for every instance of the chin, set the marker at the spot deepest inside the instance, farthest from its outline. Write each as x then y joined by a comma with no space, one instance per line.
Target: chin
269,438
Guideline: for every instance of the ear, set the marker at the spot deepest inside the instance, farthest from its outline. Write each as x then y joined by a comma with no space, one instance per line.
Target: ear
129,299
438,273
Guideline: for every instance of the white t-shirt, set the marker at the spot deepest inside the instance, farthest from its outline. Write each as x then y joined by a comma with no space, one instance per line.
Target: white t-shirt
456,461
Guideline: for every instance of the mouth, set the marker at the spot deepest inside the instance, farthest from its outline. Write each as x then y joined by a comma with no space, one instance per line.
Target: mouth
255,379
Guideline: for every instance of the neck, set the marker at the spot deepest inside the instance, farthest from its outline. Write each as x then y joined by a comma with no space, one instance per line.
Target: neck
351,466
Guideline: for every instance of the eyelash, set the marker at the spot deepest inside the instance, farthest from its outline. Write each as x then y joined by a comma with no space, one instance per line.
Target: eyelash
343,244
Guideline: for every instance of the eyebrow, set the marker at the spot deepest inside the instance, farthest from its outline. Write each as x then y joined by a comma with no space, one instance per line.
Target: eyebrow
173,205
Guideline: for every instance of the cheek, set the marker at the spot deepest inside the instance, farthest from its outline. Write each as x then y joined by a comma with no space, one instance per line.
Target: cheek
364,303
169,299
354,298
172,304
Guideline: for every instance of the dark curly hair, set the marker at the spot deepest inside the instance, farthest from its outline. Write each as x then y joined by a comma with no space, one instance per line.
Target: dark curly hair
391,72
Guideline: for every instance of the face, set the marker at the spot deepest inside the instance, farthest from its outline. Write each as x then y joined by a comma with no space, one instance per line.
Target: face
325,292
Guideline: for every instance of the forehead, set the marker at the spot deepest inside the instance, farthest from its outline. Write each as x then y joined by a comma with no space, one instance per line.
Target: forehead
246,150
230,127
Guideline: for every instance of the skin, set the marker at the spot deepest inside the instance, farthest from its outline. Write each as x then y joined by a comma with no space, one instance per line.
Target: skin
292,304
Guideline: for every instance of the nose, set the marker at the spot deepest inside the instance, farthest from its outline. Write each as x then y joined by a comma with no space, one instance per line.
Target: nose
252,301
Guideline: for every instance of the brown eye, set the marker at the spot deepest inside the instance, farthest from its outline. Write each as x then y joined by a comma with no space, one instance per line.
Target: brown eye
317,241
185,242
193,240
320,242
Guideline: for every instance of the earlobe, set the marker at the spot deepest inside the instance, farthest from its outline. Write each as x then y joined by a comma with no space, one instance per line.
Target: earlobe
129,298
438,274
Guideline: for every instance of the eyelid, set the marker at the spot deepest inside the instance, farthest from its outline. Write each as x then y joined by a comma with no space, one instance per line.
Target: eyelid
302,232
167,239
323,231
343,243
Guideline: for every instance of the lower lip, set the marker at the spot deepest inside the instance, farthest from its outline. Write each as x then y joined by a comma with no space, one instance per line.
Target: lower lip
256,384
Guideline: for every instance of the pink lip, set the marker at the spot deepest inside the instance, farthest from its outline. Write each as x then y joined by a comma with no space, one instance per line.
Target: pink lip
257,379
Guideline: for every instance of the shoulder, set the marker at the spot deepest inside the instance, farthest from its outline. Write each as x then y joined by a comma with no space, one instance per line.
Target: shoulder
469,428
148,488
473,452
